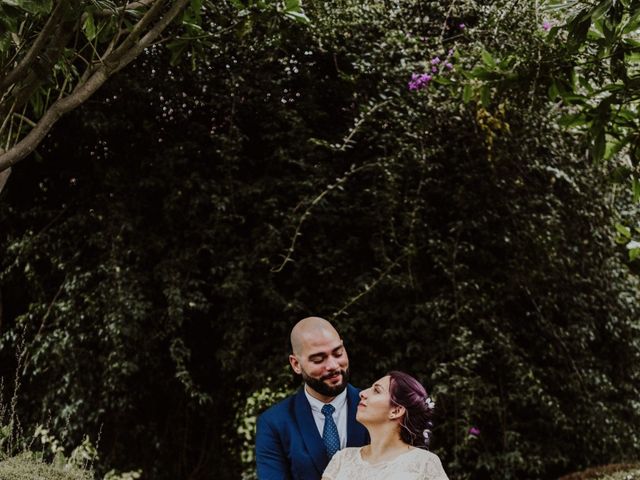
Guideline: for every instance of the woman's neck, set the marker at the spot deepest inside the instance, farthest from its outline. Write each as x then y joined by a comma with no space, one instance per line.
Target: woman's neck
385,444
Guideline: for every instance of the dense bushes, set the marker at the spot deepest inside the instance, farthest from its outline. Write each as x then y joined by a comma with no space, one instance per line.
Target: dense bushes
156,270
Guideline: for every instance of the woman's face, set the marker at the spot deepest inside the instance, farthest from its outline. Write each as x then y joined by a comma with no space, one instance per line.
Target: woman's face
375,403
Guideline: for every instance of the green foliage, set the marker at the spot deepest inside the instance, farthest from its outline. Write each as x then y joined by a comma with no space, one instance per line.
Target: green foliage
246,419
589,59
157,268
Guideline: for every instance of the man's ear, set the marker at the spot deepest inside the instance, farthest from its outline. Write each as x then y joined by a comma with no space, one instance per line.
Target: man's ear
295,364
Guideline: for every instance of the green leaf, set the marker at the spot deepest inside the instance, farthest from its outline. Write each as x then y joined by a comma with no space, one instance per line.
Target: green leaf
599,145
34,7
239,4
487,59
599,10
298,17
613,147
177,48
442,80
467,93
574,120
635,186
481,73
554,91
623,230
485,96
293,5
89,27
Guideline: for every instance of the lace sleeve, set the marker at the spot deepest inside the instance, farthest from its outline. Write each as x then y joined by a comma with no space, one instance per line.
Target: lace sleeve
331,472
433,469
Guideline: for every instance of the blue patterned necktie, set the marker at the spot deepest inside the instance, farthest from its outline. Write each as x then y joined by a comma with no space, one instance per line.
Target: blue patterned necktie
330,431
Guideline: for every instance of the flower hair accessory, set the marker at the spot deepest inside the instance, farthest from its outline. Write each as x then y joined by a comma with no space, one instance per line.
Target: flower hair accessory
430,404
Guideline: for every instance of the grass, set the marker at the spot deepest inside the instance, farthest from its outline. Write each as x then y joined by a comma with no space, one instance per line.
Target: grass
616,471
26,467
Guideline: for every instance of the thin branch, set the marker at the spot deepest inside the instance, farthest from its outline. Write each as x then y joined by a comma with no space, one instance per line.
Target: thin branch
7,118
359,123
47,313
446,18
557,337
369,288
307,212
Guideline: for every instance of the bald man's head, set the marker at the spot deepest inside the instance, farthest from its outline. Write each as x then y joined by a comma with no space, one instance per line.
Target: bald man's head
320,357
309,329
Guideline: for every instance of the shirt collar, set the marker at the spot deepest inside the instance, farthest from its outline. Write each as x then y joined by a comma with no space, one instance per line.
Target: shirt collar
316,405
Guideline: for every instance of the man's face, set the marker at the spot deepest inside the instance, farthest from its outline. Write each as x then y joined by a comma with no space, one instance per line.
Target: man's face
323,364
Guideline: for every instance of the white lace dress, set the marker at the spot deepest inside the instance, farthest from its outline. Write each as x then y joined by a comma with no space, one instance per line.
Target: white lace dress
416,464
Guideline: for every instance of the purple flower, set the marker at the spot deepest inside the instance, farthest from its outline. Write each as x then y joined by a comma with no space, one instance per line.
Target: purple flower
474,431
448,66
419,80
546,25
435,60
434,69
462,26
450,52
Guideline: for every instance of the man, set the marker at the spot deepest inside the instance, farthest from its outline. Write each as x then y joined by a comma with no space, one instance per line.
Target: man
297,437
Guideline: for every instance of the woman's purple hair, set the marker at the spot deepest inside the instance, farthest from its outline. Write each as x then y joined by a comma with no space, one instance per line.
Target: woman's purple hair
409,393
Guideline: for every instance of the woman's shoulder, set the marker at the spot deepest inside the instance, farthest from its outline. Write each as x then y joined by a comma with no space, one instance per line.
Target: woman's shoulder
426,455
341,462
430,463
349,452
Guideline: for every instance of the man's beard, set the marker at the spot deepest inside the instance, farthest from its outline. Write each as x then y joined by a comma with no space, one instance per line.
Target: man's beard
322,388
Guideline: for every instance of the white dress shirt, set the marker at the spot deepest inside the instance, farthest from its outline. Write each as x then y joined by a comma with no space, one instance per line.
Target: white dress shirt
339,415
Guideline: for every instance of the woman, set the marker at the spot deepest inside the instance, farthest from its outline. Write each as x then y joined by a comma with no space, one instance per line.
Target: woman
396,411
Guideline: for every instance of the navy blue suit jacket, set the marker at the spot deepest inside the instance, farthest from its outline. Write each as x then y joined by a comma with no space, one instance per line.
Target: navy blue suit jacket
288,444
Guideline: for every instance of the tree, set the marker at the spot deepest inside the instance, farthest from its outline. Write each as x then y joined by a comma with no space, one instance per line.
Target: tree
292,173
55,54
589,60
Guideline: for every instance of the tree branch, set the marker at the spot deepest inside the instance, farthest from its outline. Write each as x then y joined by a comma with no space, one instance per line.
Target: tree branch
118,60
4,175
43,63
39,44
149,38
131,40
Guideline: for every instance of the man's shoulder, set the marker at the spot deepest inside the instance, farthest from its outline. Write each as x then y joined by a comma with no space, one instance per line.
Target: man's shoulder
351,389
283,407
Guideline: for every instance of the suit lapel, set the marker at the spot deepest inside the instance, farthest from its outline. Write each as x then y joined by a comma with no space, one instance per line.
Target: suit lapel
309,431
357,434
